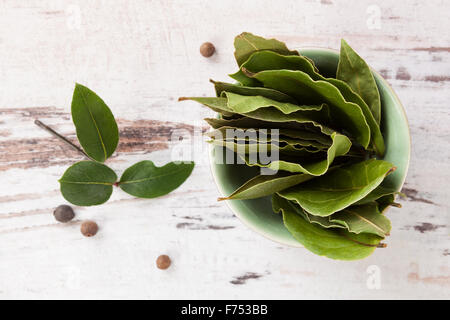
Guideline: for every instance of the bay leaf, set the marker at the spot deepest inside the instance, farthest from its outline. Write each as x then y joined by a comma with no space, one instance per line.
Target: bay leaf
246,104
340,188
270,114
332,243
386,201
95,125
363,219
354,70
243,148
87,183
234,133
243,80
145,180
346,115
377,193
289,129
221,87
306,134
265,185
350,96
302,133
246,43
340,146
321,221
267,60
216,104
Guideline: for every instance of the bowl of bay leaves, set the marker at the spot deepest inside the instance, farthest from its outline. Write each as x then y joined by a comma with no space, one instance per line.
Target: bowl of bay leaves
342,147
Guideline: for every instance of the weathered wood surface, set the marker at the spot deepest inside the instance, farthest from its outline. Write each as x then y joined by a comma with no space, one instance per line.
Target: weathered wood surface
140,56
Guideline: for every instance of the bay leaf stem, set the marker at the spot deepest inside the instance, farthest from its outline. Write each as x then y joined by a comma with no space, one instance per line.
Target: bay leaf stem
61,137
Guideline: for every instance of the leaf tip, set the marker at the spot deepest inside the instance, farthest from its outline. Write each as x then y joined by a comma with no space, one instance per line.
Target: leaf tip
381,245
183,98
223,198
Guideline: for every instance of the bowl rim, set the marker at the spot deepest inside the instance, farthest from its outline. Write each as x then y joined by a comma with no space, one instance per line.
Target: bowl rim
294,243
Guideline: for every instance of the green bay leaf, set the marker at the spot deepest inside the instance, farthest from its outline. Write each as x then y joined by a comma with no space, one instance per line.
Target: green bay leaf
346,115
379,192
363,219
270,114
246,43
217,104
145,180
354,70
244,148
265,135
335,244
321,221
95,125
291,129
265,185
87,183
339,147
222,87
339,188
245,104
266,60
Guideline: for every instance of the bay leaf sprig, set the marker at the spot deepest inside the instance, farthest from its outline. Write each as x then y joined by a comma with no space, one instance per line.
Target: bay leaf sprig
330,188
90,182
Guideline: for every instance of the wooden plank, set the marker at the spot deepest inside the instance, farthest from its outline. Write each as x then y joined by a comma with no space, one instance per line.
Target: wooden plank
140,56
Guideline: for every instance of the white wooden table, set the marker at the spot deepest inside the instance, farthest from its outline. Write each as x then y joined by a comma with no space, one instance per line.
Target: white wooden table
140,56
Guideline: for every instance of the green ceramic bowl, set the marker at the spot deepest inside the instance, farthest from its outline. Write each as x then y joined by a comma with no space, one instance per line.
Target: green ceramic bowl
257,214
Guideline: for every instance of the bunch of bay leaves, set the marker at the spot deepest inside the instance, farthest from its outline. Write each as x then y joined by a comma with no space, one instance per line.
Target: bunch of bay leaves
327,181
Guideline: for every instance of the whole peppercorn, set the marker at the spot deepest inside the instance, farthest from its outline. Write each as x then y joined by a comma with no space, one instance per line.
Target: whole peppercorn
207,49
89,228
163,262
63,213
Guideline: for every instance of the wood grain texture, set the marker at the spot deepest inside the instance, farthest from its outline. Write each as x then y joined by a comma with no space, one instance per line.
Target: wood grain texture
140,56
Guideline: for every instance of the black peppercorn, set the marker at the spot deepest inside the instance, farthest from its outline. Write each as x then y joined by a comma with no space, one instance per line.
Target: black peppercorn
207,49
89,228
163,262
63,213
